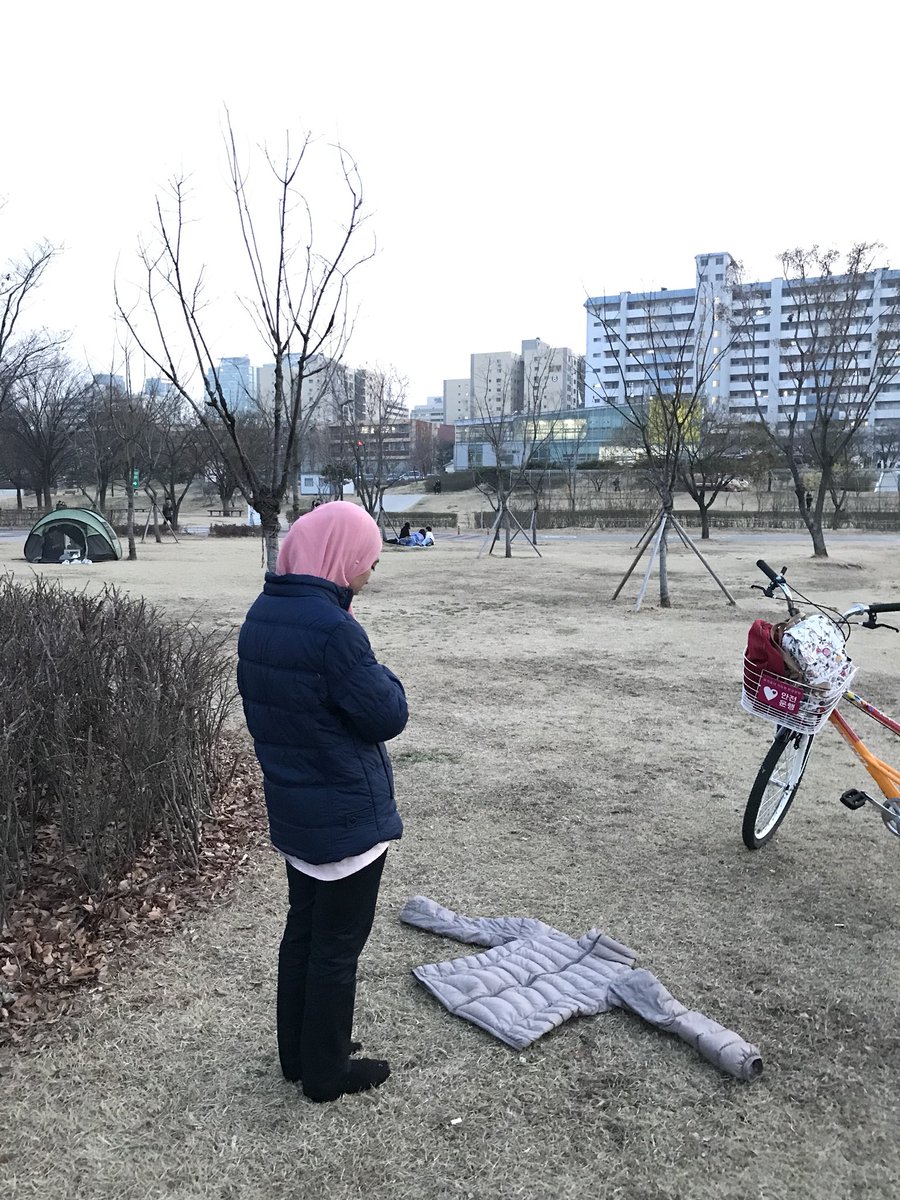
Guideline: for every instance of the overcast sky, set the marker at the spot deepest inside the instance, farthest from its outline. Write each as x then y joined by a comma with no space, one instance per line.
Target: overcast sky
515,156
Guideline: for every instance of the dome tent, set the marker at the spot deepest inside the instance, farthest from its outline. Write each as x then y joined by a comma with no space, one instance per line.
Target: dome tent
67,529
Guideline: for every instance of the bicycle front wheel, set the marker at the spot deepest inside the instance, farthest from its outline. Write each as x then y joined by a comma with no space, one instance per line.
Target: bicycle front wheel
775,786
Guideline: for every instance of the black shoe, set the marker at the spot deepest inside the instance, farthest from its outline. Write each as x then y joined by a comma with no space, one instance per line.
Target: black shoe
362,1075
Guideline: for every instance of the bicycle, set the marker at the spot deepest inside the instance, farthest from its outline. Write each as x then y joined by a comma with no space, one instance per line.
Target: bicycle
799,712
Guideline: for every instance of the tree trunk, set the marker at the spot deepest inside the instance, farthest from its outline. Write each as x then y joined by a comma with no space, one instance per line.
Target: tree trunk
270,528
664,599
811,518
295,483
132,545
268,508
704,522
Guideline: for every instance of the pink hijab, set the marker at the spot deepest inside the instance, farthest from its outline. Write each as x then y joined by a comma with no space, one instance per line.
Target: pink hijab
336,541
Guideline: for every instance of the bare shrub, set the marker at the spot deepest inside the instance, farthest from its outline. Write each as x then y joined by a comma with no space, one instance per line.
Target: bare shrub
110,721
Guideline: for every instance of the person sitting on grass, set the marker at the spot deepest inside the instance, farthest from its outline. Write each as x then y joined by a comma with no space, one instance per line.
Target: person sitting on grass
404,533
414,539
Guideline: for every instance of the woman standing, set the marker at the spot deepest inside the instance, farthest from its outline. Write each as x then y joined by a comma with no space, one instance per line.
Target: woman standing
319,707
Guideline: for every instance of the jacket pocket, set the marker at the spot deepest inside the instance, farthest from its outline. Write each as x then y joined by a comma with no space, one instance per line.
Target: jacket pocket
388,769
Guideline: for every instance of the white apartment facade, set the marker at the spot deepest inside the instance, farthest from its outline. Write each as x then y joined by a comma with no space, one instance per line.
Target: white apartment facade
505,382
756,369
332,389
432,410
457,400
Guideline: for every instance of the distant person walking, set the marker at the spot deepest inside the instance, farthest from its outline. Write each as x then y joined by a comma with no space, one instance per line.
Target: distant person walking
809,500
319,707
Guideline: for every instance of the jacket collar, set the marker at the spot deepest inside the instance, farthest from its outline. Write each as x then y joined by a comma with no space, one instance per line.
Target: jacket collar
298,586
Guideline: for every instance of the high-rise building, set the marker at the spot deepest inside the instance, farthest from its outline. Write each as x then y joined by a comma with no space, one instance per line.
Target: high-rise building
681,332
541,377
236,382
457,400
327,389
432,410
114,383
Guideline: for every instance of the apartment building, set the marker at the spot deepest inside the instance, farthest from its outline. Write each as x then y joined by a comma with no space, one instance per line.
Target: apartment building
328,388
505,382
432,410
457,400
681,334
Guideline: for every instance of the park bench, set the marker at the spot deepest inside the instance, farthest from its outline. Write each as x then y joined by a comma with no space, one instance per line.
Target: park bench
223,512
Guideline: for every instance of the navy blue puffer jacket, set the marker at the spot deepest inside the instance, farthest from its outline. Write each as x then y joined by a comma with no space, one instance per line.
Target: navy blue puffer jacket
319,708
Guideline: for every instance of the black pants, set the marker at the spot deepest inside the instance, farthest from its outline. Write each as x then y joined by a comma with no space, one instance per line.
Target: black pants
327,926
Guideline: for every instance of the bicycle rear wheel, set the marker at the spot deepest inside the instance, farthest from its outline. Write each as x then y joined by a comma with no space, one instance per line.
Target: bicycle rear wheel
775,786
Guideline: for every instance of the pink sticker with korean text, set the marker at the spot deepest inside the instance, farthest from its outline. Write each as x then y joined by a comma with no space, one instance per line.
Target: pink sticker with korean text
778,694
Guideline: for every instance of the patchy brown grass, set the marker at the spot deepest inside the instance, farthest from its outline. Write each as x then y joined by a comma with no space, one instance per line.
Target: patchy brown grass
566,759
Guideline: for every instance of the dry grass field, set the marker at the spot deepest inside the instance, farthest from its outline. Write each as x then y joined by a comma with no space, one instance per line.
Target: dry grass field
566,759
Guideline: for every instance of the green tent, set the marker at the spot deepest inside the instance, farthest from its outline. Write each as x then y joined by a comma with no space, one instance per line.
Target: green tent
68,533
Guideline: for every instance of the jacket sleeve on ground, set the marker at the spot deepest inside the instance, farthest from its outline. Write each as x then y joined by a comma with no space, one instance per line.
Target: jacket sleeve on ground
643,993
475,931
369,697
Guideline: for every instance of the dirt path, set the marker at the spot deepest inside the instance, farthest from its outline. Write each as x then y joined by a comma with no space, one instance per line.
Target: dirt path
566,759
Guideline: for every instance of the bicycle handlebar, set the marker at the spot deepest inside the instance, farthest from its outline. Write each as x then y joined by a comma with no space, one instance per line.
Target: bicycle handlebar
767,570
778,580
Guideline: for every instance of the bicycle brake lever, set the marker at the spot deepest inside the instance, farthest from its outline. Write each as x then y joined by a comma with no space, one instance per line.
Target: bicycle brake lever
874,623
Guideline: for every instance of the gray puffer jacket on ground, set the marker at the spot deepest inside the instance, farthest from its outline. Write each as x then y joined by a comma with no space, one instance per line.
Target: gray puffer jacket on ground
536,977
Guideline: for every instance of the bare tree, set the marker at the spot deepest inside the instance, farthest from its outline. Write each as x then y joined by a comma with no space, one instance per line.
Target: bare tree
709,461
297,301
849,475
758,459
885,444
566,451
839,352
95,446
221,466
21,352
516,430
45,401
182,449
13,470
378,427
663,373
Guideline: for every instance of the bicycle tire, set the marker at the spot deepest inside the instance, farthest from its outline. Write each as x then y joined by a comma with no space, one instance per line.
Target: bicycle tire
775,787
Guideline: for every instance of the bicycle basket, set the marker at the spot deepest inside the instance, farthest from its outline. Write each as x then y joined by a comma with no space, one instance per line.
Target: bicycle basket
790,702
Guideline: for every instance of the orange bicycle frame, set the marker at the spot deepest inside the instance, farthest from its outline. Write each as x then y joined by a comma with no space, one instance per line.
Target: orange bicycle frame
887,778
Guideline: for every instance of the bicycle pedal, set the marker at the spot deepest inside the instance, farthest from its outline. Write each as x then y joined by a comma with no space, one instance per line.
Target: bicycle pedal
854,799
